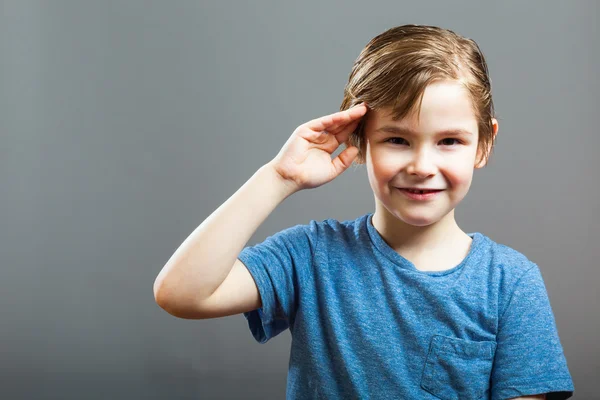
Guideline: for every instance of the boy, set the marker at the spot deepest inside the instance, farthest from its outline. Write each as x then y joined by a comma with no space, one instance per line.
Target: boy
399,303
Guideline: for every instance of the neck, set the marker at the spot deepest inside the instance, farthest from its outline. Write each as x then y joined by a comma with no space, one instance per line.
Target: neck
409,239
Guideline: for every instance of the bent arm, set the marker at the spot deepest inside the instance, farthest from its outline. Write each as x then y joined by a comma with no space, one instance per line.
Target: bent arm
206,257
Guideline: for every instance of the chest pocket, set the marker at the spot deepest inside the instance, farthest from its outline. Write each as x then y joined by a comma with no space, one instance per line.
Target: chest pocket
458,369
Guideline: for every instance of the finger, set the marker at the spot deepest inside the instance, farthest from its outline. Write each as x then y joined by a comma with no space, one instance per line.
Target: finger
344,159
355,118
330,122
343,118
340,127
342,135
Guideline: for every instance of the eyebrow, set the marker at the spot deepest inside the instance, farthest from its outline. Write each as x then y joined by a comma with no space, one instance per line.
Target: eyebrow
408,131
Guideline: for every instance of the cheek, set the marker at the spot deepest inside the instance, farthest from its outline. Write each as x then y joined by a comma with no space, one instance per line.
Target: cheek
461,176
384,168
384,164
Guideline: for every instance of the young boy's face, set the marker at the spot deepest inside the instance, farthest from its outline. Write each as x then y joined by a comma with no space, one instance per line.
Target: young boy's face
411,153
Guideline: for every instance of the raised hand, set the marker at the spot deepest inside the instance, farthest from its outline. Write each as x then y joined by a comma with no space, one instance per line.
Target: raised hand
305,159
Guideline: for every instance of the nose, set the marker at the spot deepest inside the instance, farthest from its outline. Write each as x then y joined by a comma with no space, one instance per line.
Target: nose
421,164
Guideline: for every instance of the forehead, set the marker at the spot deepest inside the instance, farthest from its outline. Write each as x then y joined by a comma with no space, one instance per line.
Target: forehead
445,105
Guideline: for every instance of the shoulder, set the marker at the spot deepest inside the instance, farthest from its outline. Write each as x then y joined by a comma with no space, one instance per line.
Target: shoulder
510,269
504,255
506,260
333,235
332,227
321,229
316,231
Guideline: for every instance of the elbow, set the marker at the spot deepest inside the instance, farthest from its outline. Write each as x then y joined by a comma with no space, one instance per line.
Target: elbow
160,296
163,300
174,306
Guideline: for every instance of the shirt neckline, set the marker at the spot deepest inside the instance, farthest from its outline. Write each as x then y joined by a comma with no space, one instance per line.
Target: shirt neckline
397,259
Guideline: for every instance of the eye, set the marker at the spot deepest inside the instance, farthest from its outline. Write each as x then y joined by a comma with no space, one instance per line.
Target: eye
446,139
394,138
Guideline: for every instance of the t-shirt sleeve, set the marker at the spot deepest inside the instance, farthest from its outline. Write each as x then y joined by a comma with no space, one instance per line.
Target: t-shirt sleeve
529,357
278,265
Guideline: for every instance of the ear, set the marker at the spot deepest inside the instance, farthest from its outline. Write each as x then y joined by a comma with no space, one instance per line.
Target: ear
494,133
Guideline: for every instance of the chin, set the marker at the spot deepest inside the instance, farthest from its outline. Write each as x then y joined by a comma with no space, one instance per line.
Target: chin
417,220
420,222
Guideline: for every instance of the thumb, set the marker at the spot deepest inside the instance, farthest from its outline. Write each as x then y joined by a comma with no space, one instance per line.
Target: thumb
344,159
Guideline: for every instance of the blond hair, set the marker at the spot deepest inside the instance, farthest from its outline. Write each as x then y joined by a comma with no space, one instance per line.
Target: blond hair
396,66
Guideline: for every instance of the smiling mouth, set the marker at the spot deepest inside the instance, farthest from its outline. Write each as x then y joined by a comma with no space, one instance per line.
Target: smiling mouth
421,191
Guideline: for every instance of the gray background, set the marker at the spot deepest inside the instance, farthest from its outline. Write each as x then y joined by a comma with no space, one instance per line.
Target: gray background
126,123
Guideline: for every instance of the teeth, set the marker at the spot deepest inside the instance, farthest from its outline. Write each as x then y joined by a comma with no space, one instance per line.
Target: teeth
420,191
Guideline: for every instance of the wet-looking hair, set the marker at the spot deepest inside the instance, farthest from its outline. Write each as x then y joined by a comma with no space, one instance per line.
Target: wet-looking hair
397,65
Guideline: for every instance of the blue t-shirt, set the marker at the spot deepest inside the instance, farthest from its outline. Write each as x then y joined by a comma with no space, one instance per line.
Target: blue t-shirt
366,324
